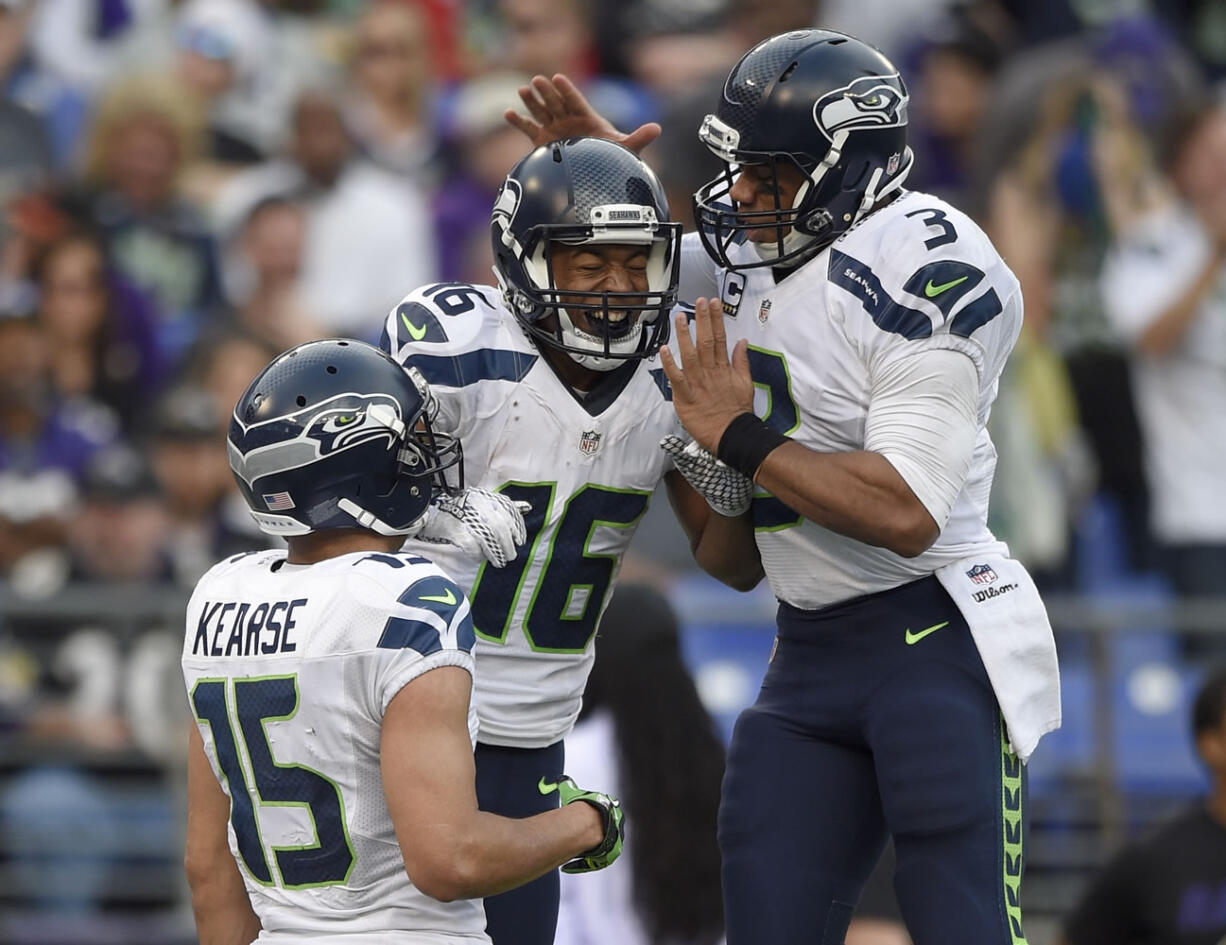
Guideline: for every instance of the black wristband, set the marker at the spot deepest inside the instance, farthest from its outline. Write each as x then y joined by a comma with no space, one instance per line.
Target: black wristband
747,442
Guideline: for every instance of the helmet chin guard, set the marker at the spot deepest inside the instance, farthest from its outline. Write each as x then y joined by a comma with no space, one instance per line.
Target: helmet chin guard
618,352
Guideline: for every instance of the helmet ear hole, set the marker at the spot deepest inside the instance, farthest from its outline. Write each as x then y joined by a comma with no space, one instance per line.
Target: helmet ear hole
300,401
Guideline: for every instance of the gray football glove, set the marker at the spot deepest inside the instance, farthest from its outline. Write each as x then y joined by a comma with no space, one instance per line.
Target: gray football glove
478,522
611,815
727,491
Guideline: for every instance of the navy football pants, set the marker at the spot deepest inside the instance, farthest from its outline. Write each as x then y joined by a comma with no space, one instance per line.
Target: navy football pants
858,733
507,781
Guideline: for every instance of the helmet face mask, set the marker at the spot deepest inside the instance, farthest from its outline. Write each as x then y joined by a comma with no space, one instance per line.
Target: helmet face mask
586,193
335,434
823,103
793,226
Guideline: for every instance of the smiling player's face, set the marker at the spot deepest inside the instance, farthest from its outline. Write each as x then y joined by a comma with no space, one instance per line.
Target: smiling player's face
615,267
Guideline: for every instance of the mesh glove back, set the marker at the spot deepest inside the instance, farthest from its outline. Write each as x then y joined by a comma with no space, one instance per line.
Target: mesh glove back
478,522
727,491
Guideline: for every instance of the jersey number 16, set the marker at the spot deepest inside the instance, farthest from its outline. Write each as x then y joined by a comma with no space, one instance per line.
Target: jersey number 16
570,586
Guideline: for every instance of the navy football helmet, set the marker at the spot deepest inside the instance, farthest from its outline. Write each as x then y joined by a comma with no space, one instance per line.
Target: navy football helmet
826,103
336,434
585,191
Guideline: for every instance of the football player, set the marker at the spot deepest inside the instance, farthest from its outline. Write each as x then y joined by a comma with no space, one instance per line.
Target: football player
870,326
552,381
330,774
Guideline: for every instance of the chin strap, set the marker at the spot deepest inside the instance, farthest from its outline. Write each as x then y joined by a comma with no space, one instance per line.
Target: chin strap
369,520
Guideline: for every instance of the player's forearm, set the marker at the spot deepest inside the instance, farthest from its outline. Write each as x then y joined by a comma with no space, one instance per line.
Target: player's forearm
491,854
722,546
860,495
726,549
223,913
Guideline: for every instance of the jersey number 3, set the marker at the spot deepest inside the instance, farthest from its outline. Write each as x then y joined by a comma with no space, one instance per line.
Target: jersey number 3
329,860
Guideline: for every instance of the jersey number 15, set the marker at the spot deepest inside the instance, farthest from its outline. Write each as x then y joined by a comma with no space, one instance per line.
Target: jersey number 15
329,860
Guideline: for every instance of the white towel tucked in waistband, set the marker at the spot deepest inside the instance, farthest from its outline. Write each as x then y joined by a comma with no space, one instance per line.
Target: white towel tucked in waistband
1009,624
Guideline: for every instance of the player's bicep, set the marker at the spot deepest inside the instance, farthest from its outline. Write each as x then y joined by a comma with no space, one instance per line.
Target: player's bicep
923,419
428,769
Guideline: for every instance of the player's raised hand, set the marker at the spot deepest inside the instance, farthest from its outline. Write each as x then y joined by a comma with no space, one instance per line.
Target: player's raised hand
559,110
709,389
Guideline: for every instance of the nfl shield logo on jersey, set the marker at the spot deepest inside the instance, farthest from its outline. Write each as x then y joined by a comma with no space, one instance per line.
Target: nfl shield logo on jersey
981,574
589,442
764,311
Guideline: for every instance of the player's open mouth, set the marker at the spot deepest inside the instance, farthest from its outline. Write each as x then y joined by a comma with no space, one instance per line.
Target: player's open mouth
617,325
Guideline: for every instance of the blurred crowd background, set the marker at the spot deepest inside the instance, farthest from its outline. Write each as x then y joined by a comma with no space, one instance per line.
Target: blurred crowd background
187,188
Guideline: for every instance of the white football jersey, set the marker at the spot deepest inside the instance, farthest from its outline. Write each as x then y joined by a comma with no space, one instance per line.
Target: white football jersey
289,670
587,469
915,275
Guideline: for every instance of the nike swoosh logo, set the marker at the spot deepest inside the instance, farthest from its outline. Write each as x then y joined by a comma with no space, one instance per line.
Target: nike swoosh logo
932,291
448,598
545,787
417,334
913,638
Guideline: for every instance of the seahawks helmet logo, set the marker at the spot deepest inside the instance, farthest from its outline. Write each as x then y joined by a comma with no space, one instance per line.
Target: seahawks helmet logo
339,428
505,208
338,424
870,102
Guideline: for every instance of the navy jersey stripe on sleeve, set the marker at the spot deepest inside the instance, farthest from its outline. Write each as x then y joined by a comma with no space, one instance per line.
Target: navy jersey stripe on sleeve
416,324
438,595
977,314
461,370
466,634
944,283
858,279
400,633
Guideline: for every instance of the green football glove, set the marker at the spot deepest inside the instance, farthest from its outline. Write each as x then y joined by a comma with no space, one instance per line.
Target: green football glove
610,848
